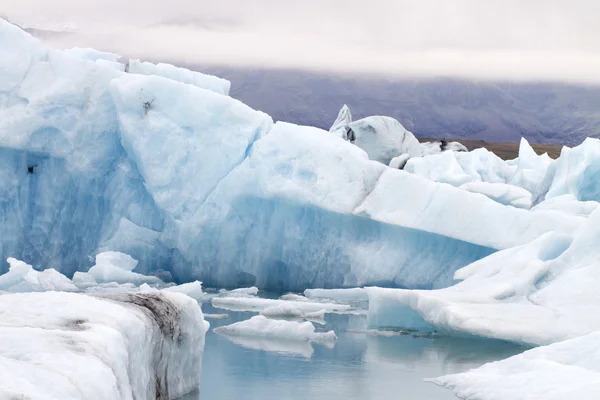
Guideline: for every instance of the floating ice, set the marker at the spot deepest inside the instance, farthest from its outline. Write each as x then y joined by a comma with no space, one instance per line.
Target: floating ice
192,289
561,371
538,293
273,344
117,267
259,304
60,346
21,277
239,292
291,311
262,327
341,295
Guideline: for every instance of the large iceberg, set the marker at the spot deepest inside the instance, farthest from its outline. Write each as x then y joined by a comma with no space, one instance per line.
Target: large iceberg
539,293
60,346
195,185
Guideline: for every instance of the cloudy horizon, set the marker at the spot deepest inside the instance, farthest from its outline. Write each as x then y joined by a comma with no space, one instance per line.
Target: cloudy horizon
536,40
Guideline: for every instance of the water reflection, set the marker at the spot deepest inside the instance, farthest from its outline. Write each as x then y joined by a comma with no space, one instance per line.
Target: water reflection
359,366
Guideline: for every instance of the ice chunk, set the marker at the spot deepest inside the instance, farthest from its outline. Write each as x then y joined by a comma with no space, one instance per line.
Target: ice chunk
340,126
291,311
341,295
384,138
243,231
260,326
206,135
239,292
277,345
259,304
535,294
59,346
21,277
455,213
84,280
399,162
183,75
501,193
576,172
532,171
457,168
561,371
117,267
192,289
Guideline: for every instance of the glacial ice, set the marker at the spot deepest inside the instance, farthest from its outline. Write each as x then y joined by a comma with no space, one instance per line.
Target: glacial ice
341,295
533,294
258,304
384,138
197,186
117,267
68,346
21,277
341,123
502,193
561,371
263,327
183,75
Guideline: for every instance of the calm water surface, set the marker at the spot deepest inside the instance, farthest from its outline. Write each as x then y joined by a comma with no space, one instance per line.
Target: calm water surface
360,365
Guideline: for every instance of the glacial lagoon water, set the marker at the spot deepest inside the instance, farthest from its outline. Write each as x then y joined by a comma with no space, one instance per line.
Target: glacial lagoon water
360,365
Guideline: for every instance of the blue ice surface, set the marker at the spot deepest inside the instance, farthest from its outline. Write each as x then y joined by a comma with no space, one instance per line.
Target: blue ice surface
196,185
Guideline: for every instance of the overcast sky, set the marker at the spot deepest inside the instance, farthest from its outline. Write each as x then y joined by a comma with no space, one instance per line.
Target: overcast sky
499,39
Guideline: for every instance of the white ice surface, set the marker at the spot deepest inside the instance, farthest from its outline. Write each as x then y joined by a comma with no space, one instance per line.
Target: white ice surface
117,267
538,293
342,121
384,138
21,277
183,75
502,193
342,295
67,346
566,370
263,327
260,304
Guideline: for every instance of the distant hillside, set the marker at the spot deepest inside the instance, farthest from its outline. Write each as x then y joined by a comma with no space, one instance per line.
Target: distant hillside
438,108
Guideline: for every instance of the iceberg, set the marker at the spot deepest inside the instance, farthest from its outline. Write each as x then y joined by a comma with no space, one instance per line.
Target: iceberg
21,277
58,346
539,293
263,327
195,185
383,138
258,304
117,267
562,371
340,125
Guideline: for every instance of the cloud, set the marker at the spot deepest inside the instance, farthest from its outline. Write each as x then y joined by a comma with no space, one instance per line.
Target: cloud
510,39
